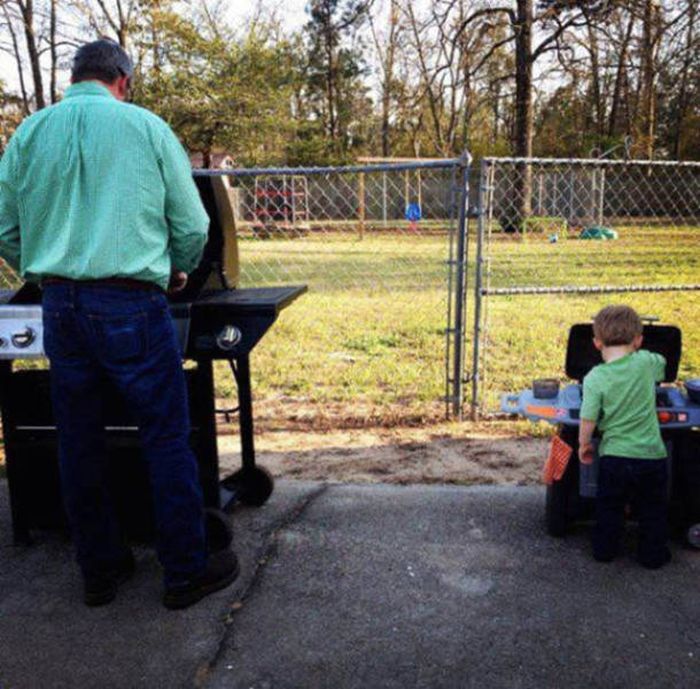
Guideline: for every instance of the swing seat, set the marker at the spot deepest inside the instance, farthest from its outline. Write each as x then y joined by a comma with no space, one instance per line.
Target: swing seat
413,212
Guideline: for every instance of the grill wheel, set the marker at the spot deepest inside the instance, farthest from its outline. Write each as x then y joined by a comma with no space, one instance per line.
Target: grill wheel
250,486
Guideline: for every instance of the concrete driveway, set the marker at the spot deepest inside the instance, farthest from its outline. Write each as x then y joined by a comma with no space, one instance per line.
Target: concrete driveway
365,586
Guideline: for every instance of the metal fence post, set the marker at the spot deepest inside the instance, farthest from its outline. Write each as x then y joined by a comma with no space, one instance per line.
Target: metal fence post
460,287
384,214
478,295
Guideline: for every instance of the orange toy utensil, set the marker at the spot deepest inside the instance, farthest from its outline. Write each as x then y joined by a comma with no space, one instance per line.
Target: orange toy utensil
557,461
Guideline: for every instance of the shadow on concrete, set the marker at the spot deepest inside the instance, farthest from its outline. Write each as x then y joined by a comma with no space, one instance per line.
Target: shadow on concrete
370,586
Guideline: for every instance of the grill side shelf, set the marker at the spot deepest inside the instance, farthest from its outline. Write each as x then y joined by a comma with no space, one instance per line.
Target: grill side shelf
247,312
252,299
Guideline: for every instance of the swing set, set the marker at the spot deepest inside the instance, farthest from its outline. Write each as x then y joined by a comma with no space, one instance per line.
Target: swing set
413,192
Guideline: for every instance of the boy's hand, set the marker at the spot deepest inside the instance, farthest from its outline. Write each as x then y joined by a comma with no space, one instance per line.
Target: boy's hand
585,453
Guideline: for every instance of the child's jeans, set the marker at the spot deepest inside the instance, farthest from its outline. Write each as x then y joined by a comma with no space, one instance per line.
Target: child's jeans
642,481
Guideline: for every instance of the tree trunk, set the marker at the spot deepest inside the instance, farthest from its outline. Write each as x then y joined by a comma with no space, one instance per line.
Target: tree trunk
18,60
330,92
523,80
596,91
496,105
620,79
329,49
467,113
54,57
682,107
27,11
647,113
388,78
524,117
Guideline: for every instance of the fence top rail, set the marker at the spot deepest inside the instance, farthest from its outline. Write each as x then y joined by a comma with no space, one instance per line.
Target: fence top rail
445,163
582,289
594,162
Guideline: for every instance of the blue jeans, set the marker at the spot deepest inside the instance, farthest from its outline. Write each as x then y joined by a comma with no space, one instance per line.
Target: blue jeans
643,481
93,332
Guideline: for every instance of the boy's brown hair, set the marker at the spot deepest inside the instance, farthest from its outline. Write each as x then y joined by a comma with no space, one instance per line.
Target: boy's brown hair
617,325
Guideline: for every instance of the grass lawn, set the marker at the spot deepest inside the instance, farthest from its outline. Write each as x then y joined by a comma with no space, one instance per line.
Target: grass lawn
370,332
370,329
368,339
526,334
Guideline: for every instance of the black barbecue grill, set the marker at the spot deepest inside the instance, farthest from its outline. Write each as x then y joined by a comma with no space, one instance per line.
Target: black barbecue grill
215,321
571,498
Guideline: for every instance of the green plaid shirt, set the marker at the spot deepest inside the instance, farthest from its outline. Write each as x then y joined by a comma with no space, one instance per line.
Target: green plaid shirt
94,188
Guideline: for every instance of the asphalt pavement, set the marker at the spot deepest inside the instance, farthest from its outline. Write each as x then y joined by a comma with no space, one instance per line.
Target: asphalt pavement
368,586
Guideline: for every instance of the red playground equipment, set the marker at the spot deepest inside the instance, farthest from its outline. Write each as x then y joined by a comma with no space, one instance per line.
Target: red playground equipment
281,206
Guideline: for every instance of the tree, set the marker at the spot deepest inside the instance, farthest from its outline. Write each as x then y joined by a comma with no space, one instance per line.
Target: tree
36,33
407,77
11,112
681,79
453,69
553,18
116,19
14,50
20,18
335,68
677,80
216,91
386,48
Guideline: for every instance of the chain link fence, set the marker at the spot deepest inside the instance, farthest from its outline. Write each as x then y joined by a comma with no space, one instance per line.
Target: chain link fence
559,239
376,245
380,335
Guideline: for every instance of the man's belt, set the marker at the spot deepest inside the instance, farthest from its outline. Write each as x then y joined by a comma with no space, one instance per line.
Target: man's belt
127,283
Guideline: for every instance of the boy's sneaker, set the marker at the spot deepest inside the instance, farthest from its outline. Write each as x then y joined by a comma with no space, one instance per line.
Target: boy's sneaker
100,589
222,570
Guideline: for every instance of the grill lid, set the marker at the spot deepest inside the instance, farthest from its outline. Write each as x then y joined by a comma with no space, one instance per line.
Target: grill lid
218,269
582,356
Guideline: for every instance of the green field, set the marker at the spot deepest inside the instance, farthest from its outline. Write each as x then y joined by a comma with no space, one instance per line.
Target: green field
370,332
526,334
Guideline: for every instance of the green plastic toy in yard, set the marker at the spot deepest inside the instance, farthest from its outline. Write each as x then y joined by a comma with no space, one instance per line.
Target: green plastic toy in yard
603,233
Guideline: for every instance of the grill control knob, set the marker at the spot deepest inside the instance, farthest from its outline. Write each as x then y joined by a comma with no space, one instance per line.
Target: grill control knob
3,342
229,337
23,338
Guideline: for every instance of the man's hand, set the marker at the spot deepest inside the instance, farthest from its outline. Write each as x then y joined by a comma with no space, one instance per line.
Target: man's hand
178,280
585,453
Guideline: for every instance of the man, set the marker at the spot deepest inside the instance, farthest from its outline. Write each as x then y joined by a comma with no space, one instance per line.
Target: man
98,203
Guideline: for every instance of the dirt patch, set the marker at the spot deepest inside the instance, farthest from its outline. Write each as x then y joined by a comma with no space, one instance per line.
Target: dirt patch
352,443
433,453
293,413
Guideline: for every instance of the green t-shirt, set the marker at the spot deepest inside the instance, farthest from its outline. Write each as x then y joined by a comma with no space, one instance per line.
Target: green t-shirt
620,397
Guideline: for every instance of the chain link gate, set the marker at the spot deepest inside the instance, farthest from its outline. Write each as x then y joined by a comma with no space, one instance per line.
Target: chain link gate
535,275
382,248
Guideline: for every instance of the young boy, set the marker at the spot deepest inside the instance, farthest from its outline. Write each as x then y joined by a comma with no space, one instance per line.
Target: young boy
619,397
